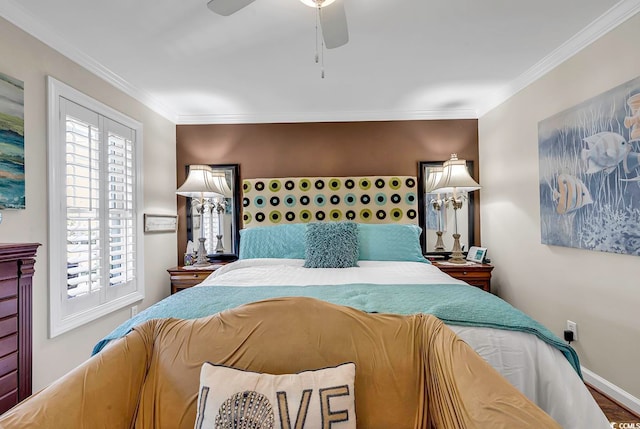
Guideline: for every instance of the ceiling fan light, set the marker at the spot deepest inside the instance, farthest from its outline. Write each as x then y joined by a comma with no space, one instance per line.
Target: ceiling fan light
317,3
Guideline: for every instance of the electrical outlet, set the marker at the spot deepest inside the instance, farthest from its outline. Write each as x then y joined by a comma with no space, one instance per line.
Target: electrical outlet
573,327
134,310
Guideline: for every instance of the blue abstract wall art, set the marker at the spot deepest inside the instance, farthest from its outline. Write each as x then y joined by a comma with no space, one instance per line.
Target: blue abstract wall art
12,195
589,158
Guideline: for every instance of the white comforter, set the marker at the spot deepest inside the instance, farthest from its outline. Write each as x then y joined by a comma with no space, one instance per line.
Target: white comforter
290,272
538,370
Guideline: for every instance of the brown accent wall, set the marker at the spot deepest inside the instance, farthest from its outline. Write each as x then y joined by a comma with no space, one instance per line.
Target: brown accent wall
324,149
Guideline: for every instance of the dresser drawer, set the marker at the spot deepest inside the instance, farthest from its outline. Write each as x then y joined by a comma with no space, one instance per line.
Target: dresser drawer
8,383
482,284
8,344
478,275
8,288
8,326
469,276
8,307
9,270
191,278
9,400
9,363
183,278
481,279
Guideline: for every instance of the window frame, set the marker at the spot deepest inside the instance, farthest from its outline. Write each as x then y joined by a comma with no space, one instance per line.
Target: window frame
61,319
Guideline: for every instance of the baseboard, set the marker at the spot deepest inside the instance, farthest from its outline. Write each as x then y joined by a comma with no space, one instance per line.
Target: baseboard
612,391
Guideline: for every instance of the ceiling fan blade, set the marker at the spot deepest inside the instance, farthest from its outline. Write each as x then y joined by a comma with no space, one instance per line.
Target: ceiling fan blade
227,7
334,25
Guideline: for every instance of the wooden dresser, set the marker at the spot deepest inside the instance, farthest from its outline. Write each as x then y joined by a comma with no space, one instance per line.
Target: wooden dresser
16,270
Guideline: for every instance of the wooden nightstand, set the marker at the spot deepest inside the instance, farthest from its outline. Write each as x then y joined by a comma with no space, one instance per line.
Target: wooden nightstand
183,278
478,275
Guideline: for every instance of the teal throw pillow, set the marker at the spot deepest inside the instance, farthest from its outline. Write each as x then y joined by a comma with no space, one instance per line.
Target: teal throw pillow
331,245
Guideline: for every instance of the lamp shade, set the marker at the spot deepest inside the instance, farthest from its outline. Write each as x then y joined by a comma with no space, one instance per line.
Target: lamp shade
220,184
455,177
432,179
200,183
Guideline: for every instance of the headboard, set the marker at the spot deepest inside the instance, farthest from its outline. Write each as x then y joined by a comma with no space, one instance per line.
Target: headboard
375,199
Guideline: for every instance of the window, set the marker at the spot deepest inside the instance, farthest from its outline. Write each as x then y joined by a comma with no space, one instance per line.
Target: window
95,244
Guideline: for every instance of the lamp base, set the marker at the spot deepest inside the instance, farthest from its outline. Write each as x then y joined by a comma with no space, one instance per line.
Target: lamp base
202,254
457,257
439,243
219,245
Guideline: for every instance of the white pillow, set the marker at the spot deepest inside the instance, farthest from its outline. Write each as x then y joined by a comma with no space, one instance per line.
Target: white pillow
232,398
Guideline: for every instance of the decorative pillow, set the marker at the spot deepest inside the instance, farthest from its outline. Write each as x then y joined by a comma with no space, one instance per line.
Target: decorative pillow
331,245
230,398
279,241
390,242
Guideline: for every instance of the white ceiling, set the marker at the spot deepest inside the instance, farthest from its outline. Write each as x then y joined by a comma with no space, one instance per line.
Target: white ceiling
406,59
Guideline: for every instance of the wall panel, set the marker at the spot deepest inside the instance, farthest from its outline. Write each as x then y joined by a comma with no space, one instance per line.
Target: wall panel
323,149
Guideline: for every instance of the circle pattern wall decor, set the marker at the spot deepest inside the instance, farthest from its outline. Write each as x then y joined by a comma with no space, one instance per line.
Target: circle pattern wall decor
375,199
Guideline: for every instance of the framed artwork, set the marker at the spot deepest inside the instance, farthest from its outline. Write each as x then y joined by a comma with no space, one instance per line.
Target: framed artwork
589,159
160,223
12,193
477,254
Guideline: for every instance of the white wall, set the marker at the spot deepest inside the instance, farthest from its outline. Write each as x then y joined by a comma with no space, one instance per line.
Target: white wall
27,59
599,291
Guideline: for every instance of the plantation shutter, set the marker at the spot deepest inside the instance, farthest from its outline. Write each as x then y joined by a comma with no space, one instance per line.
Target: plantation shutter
100,208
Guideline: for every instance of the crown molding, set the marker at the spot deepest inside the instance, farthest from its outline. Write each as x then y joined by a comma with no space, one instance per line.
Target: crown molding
343,116
623,10
612,18
12,12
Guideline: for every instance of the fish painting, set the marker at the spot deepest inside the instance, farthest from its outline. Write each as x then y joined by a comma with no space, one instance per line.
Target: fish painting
633,162
589,165
605,151
571,194
633,122
631,243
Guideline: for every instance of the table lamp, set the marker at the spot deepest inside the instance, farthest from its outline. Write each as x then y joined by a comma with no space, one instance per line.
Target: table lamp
456,181
200,187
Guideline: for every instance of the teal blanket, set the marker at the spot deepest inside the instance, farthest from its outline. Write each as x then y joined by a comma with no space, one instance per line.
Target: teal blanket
455,304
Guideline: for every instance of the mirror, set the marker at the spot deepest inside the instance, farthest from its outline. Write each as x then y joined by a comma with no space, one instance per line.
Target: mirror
436,217
220,216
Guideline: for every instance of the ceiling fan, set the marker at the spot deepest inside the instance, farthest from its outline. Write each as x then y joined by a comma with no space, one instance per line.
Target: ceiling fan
333,19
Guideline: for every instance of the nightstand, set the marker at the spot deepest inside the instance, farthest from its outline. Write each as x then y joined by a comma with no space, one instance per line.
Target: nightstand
478,275
186,277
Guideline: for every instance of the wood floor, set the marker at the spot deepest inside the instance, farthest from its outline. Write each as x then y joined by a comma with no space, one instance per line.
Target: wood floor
613,411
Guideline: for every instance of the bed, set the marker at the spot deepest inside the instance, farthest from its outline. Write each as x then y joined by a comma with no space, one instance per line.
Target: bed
388,275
